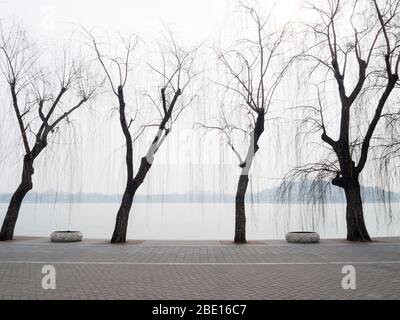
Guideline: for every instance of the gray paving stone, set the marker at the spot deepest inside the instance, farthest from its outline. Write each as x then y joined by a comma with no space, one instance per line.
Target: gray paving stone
94,269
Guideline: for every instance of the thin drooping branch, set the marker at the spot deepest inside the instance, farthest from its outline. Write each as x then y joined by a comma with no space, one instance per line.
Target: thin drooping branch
176,77
176,74
252,76
38,115
374,31
392,79
226,130
19,60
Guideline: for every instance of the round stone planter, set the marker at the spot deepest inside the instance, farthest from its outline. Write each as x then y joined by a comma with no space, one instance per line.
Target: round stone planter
66,236
302,237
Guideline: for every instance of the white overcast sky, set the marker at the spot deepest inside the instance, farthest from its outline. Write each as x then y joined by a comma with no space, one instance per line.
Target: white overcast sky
194,22
100,140
197,20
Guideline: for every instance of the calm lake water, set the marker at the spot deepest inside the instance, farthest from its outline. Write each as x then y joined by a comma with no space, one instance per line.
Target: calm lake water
171,221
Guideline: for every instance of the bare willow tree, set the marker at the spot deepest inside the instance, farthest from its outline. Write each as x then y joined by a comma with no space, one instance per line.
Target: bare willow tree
40,107
176,74
251,68
356,45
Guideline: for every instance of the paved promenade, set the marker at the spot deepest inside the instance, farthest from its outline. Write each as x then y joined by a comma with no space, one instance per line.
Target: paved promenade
165,270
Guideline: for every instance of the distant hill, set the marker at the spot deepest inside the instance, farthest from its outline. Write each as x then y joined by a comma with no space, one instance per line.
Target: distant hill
299,192
62,197
318,192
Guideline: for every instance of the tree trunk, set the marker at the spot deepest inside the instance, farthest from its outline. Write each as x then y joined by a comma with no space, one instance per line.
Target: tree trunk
356,229
240,221
10,220
121,224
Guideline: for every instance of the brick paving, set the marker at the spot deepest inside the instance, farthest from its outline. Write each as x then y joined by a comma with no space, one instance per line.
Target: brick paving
164,270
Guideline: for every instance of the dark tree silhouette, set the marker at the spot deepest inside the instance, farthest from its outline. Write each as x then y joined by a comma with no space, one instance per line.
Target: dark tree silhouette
252,76
38,112
362,58
176,74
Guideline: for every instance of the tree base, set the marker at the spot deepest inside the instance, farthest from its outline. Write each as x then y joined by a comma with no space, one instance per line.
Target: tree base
4,237
358,238
118,240
240,241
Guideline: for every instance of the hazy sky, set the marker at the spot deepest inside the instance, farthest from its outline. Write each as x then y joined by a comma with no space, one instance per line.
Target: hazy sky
65,167
91,157
193,19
